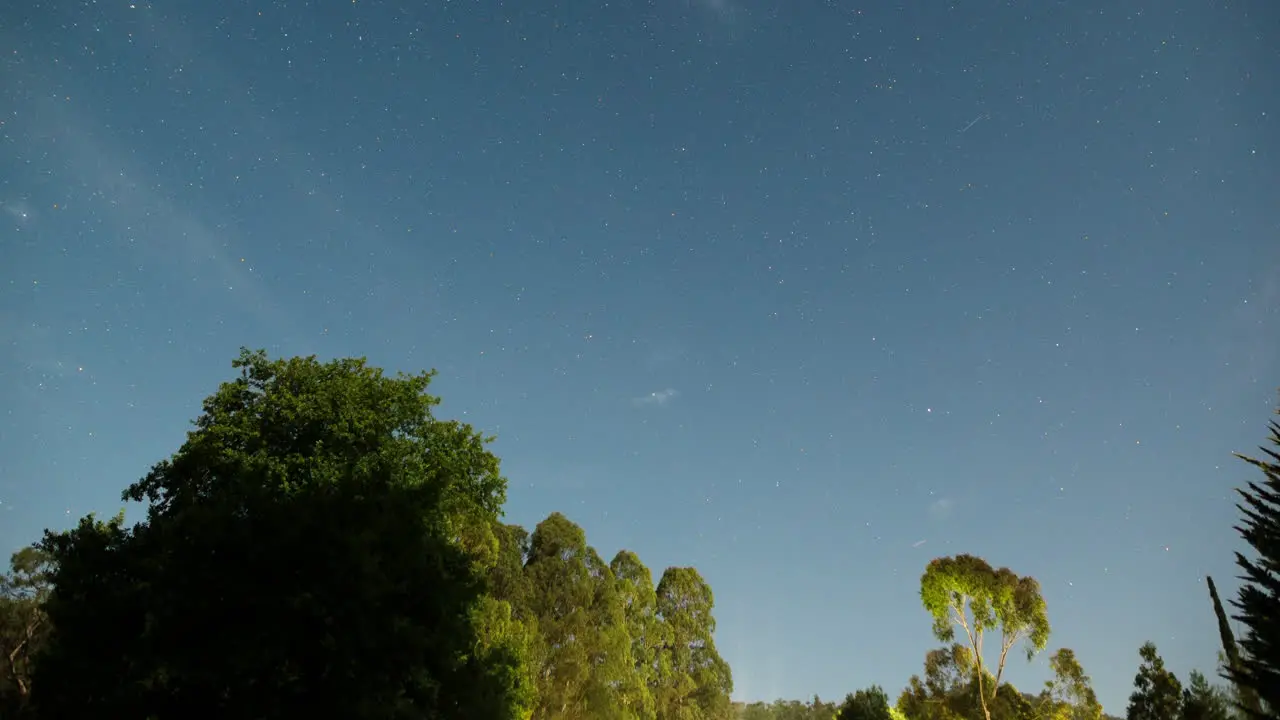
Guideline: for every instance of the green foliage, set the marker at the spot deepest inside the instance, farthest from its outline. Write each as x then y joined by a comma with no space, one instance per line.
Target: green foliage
1243,695
1012,704
946,690
965,591
1258,601
951,690
504,647
693,681
604,643
1069,694
322,545
507,579
1157,693
869,704
583,658
23,626
815,709
645,628
1203,701
311,549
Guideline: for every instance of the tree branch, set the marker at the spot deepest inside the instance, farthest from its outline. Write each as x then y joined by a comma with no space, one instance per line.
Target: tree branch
976,644
1007,641
13,668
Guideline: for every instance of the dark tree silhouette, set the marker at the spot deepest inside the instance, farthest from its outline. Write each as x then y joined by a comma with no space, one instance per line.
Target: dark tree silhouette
313,549
1258,601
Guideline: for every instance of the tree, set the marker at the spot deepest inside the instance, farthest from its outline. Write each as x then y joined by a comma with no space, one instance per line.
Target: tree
1258,601
1247,698
647,631
869,704
508,613
815,709
949,690
694,682
313,548
23,625
967,592
1157,693
507,578
583,661
1069,694
1202,701
942,693
1011,704
504,646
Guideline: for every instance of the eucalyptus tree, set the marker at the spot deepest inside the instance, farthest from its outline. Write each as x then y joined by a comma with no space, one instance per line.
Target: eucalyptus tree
582,657
694,682
966,592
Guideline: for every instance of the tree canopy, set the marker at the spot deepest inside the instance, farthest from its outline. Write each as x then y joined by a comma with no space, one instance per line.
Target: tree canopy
312,545
966,592
868,704
323,545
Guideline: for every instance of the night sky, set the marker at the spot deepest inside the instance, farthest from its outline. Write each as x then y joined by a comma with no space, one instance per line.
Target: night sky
803,294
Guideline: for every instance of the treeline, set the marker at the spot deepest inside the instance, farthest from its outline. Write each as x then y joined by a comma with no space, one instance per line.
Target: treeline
948,692
603,640
323,545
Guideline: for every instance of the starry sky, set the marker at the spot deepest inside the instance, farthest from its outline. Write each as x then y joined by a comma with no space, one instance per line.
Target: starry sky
803,294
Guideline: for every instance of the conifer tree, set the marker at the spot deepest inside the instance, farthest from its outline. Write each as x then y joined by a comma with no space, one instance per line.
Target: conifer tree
1258,601
1202,701
1248,699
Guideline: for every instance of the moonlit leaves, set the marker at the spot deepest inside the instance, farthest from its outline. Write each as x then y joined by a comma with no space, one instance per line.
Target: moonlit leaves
1072,686
952,588
994,598
1021,610
948,584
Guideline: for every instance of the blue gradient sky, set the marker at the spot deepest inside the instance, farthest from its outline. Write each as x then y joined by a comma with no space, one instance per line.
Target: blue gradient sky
803,294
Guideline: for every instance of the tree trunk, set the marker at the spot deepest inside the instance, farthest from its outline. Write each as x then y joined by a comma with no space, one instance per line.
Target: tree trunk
982,696
23,690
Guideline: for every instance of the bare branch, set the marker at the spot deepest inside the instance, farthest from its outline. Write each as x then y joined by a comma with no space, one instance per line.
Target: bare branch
1007,641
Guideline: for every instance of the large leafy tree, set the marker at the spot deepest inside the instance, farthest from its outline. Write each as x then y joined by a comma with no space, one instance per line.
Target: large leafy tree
694,682
949,691
966,592
1157,694
941,694
504,647
507,578
1258,601
23,626
506,618
647,631
1069,694
583,658
313,549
